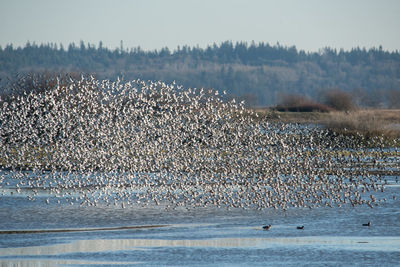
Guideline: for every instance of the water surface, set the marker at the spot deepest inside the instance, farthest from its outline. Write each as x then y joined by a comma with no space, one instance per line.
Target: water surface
108,235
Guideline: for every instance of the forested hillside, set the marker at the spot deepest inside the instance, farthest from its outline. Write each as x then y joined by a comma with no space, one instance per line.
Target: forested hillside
259,73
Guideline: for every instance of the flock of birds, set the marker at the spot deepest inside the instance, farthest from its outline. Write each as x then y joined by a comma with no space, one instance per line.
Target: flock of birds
93,142
268,226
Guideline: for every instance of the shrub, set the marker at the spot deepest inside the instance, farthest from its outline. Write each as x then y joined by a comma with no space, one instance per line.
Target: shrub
298,103
394,98
339,100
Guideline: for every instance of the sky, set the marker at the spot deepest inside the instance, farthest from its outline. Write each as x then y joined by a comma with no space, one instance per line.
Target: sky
309,25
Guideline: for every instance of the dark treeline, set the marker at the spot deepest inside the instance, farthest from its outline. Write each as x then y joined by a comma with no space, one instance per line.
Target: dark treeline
259,73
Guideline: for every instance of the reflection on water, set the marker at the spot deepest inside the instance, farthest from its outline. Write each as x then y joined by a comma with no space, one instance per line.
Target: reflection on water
387,244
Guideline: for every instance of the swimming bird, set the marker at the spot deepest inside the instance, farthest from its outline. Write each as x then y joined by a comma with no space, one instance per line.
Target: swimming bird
267,227
367,224
300,227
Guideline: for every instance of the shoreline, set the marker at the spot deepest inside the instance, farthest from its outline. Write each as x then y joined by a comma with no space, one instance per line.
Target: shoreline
40,231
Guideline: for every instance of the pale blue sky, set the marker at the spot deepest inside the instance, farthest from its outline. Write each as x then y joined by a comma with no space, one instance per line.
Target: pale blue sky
153,24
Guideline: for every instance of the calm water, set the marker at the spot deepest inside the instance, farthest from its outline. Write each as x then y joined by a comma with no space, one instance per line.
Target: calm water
203,236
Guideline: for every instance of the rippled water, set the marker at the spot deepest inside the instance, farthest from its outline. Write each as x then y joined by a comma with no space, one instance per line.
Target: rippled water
201,236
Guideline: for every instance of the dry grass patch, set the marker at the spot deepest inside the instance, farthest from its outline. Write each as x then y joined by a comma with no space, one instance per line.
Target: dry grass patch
366,122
